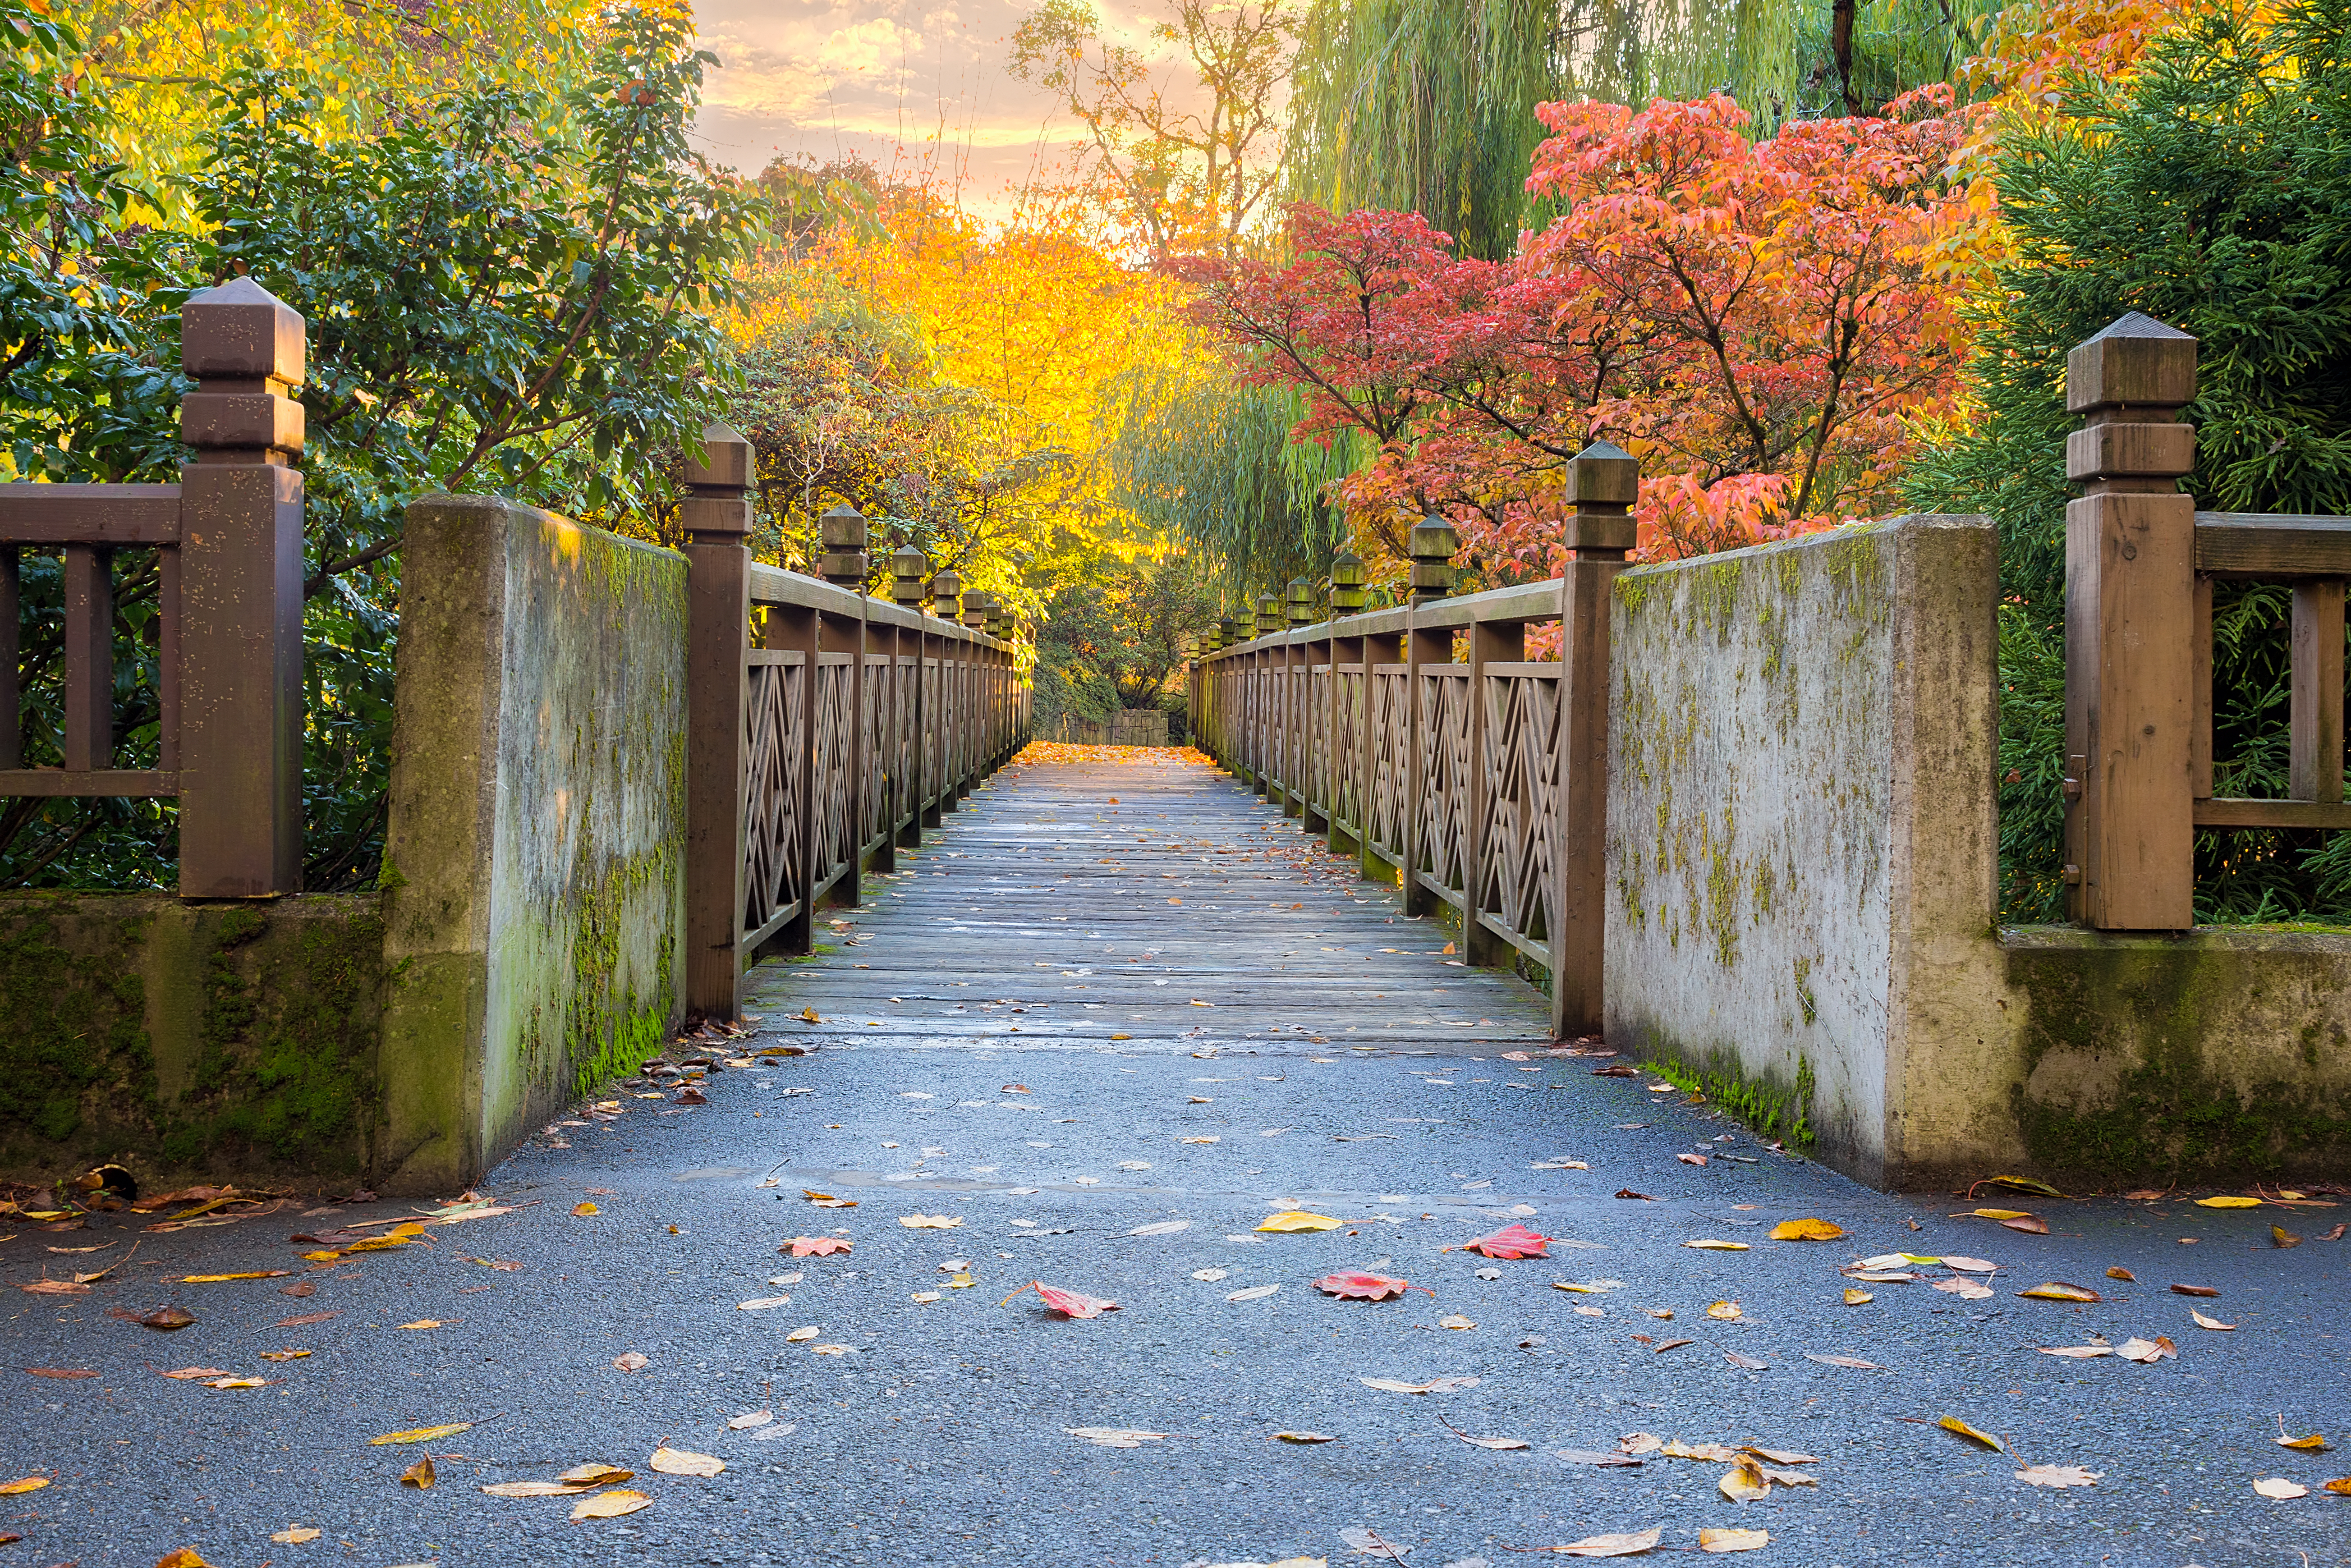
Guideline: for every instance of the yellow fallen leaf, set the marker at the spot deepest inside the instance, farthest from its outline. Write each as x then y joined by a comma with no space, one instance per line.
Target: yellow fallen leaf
30,1483
930,1221
1853,1298
1724,1312
1806,1230
216,1279
682,1462
1953,1423
1734,1540
182,1557
296,1535
2058,1290
1298,1220
810,1015
961,1283
283,1355
236,1383
2228,1203
419,1475
423,1323
422,1433
1998,1214
609,1505
2279,1237
2316,1443
595,1475
584,1209
534,1488
2340,1488
1711,1246
2204,1322
320,1257
1742,1483
1622,1543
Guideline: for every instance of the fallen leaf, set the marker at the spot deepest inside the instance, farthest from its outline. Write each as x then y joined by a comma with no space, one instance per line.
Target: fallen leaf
1712,1246
1742,1483
298,1288
1499,1445
1304,1438
1071,1304
306,1320
1454,1322
595,1475
419,1475
1295,1219
1603,1461
1806,1230
671,1461
2120,1273
2148,1351
1113,1437
631,1361
1510,1241
808,1015
237,1383
609,1505
1853,1298
749,1419
2204,1322
1691,1159
2340,1488
532,1489
2194,1290
217,1278
584,1209
2078,1351
2028,1224
1211,1139
422,1433
2058,1290
760,1303
1852,1361
182,1557
1969,1265
1254,1293
1372,1543
2057,1476
1781,1456
2280,1237
1165,1228
1966,1289
2228,1203
814,1245
804,1333
192,1373
298,1535
61,1372
1953,1423
45,1287
1734,1540
1433,1386
1640,1443
1361,1287
1724,1312
2278,1486
1660,1348
1749,1362
18,1487
826,1200
1994,1214
423,1323
2316,1443
831,1349
1618,1546
1645,1198
927,1222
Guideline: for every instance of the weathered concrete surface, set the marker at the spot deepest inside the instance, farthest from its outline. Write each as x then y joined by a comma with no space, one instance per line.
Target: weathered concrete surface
215,1041
535,850
1803,851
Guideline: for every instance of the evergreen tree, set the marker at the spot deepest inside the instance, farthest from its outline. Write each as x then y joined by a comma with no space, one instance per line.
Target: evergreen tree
2211,190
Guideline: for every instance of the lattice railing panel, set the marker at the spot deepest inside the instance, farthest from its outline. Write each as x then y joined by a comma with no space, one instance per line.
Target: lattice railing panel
772,881
1518,883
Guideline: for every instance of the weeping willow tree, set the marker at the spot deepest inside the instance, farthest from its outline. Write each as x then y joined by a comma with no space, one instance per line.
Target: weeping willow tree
1428,105
1210,461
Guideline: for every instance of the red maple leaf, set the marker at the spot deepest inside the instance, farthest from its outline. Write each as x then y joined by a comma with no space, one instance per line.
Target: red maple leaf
1512,1240
816,1246
1069,1302
1366,1287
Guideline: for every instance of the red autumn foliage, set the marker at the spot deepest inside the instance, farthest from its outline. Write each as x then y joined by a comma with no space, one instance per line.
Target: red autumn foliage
1069,1302
815,1246
1759,322
1366,1287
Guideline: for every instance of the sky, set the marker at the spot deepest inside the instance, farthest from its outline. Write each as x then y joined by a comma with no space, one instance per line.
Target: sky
897,80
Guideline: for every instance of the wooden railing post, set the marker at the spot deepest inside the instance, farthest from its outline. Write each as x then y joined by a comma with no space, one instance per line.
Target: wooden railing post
846,565
715,517
947,606
908,567
240,603
1490,643
2130,603
1603,483
1433,544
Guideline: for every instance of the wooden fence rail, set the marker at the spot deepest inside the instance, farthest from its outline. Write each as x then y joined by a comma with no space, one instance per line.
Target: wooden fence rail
827,727
2140,565
1421,740
228,545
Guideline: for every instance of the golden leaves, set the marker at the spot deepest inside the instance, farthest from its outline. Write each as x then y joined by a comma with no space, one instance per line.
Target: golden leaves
1298,1219
1725,1312
2226,1202
826,1200
218,1278
1806,1230
422,1433
671,1461
1734,1540
1853,1298
419,1475
583,1209
1742,1483
1953,1423
609,1505
18,1487
2058,1290
1712,1246
296,1535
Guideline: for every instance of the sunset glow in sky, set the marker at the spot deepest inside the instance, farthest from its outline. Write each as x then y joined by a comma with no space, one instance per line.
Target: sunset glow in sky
901,82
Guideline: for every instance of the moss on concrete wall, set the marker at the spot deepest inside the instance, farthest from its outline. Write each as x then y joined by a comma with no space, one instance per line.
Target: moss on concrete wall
225,1041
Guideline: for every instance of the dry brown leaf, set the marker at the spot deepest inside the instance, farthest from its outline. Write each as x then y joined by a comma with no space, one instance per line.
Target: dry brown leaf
2121,1273
1749,1362
283,1355
2279,1488
193,1372
609,1505
1664,1346
2057,1476
2149,1351
680,1462
419,1475
534,1488
1966,1289
1304,1438
2058,1290
64,1374
296,1535
1623,1544
2204,1322
305,1320
631,1361
1433,1386
595,1475
2194,1290
1734,1540
1742,1483
1691,1159
182,1557
1781,1456
1852,1361
1712,1453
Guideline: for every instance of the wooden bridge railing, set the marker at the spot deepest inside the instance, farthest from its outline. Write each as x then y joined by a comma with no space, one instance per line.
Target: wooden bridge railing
228,545
2140,565
826,728
1424,740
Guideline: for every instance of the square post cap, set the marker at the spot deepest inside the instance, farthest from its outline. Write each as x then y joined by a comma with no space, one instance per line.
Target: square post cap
1605,474
2137,362
241,331
844,528
724,468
